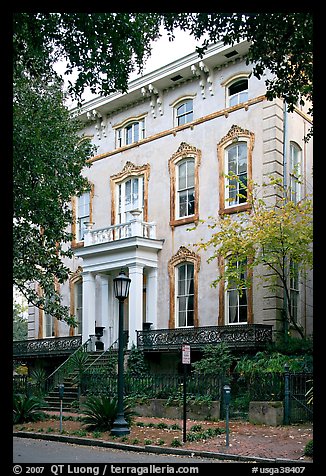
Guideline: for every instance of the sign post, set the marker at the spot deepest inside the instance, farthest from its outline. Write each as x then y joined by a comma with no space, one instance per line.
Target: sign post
185,361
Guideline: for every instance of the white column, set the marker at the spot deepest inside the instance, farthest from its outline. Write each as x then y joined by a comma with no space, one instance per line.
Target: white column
88,305
151,297
103,314
113,314
135,303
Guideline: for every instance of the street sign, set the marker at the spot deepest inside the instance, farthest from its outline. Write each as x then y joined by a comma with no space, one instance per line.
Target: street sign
185,353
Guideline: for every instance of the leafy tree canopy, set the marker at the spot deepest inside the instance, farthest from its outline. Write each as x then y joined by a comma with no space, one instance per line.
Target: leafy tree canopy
48,157
105,48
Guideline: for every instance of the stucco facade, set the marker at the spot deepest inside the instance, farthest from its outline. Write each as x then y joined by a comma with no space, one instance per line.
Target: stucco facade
158,240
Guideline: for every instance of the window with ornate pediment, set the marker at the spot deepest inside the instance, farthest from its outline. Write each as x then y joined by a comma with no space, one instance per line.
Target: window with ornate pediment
129,191
184,185
183,270
234,153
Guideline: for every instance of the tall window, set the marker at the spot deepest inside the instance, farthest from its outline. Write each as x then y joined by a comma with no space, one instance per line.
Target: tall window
49,325
294,290
238,92
184,112
78,311
131,132
130,197
185,295
237,300
184,185
236,174
186,188
83,214
295,172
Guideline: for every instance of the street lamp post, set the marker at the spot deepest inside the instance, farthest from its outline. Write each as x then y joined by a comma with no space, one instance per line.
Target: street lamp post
121,291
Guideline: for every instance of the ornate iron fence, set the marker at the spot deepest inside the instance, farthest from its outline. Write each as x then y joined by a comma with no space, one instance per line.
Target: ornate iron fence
238,336
46,347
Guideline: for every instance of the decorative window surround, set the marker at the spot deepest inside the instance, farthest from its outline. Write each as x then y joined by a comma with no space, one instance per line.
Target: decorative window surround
235,134
184,151
181,257
129,170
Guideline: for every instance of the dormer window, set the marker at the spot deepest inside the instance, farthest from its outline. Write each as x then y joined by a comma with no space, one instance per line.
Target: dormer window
130,132
238,91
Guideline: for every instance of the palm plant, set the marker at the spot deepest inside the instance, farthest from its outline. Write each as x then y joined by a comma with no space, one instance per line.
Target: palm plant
26,408
100,412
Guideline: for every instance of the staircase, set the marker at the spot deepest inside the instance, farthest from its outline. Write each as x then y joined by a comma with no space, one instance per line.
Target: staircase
69,378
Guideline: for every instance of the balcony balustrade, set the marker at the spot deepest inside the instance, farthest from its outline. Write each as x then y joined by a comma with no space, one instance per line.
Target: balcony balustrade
46,347
236,336
135,227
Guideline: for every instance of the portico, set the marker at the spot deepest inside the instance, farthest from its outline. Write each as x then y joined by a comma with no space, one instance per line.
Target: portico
103,258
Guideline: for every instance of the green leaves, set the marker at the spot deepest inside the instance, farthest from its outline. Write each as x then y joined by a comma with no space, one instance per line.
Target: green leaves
268,237
48,158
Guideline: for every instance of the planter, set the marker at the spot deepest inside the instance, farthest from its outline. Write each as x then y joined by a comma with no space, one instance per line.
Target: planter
266,413
157,408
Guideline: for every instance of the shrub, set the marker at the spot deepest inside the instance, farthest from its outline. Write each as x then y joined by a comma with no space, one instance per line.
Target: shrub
26,409
308,450
100,412
216,360
175,443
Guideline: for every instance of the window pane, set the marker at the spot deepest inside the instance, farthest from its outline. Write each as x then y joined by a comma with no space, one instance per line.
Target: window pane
191,202
183,204
182,319
238,86
190,318
243,96
182,304
190,173
181,110
182,175
188,105
136,131
232,160
128,192
242,158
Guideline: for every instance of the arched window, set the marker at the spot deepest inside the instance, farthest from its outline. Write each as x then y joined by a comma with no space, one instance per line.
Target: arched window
235,169
184,112
184,185
236,172
130,131
238,91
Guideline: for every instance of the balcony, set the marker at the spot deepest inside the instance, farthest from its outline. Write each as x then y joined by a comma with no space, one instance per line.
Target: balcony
55,346
135,227
250,336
